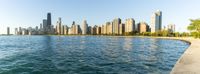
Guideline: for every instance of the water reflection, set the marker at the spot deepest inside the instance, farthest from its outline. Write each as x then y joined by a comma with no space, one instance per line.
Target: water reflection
127,44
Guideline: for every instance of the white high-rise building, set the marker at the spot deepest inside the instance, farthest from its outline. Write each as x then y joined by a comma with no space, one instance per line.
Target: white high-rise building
85,27
129,25
156,21
58,26
16,31
109,28
116,23
45,28
69,31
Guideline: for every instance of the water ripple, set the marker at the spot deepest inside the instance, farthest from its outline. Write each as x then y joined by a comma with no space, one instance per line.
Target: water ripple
87,55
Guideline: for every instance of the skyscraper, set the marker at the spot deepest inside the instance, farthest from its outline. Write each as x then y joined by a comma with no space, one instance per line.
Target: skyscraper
8,30
156,21
48,26
77,29
98,30
20,31
59,26
65,30
142,27
49,19
45,26
129,25
89,30
40,26
121,29
109,28
85,27
73,28
62,29
16,31
116,23
105,29
94,30
102,29
69,31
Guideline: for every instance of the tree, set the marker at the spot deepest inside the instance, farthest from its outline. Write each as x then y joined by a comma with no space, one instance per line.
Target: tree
194,25
195,28
177,34
165,33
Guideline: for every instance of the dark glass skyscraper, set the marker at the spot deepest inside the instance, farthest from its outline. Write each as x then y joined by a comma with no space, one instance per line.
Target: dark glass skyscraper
49,19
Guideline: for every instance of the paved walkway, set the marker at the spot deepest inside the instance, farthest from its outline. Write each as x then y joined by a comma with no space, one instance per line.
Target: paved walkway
189,62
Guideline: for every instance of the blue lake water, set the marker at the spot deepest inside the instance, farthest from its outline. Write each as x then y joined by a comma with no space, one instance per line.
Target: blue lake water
88,55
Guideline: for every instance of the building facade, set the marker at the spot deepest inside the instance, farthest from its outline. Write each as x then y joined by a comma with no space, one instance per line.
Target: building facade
85,27
129,25
59,26
116,23
8,30
156,21
142,27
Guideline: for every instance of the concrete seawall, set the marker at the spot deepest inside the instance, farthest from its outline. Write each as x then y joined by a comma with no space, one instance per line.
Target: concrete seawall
189,62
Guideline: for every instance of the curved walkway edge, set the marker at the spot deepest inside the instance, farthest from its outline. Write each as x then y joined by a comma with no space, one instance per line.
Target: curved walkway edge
189,62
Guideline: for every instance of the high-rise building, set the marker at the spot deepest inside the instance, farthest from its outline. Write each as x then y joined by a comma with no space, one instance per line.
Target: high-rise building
20,31
171,28
105,29
45,28
156,21
16,31
98,30
8,30
24,31
49,20
89,30
58,26
94,30
65,30
121,29
102,29
109,28
142,27
77,29
129,25
52,31
62,29
116,23
40,26
85,27
69,31
73,28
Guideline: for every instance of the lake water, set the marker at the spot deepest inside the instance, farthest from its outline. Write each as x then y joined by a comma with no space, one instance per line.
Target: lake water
88,55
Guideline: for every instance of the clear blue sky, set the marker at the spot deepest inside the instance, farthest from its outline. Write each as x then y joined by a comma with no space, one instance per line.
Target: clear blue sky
29,13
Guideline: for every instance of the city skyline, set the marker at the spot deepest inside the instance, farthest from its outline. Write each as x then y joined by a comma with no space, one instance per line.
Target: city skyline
115,27
29,13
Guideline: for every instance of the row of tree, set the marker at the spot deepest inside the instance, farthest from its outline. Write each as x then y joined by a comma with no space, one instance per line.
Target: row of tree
163,33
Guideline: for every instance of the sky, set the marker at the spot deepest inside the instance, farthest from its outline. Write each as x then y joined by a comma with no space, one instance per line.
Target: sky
30,13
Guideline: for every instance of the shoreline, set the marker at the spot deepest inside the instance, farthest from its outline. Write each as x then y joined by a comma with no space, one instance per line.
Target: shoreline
189,61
